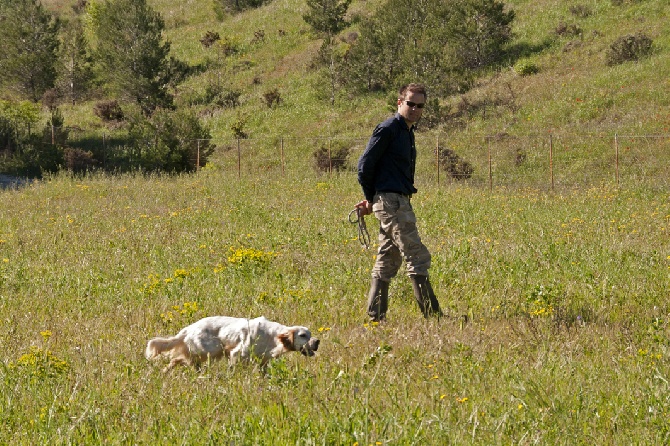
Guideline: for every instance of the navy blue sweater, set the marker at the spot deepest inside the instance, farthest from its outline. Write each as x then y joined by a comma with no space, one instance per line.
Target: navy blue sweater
389,160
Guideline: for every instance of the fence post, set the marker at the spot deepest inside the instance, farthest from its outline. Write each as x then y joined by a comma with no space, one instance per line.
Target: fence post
330,159
551,160
437,158
282,155
239,161
616,159
197,157
488,144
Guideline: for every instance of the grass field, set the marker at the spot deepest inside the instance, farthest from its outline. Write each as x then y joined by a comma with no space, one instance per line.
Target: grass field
557,327
557,303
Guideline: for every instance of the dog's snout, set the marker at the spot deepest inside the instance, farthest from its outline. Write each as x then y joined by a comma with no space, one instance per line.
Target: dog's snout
310,347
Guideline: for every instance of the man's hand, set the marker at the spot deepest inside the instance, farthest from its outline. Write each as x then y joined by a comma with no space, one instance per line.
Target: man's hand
365,207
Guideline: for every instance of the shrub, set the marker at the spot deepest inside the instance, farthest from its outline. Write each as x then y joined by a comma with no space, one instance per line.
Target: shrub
77,160
627,48
209,38
170,141
238,128
272,97
568,29
55,132
526,68
259,36
581,11
228,98
331,160
454,165
108,111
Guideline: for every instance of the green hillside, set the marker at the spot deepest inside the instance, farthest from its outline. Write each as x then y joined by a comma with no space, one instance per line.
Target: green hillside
573,91
556,80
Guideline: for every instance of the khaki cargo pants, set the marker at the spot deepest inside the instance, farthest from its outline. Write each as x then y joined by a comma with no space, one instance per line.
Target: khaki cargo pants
398,238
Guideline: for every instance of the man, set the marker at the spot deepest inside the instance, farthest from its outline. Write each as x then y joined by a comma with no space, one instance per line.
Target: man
386,174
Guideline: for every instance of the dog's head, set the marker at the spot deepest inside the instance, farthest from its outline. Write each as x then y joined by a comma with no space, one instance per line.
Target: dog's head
299,339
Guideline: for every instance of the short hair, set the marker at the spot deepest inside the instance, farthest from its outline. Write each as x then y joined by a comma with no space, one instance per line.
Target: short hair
414,88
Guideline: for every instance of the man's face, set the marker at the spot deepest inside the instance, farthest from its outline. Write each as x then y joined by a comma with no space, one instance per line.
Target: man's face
411,107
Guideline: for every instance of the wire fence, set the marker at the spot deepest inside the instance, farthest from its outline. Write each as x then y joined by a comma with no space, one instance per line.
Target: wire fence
544,162
541,161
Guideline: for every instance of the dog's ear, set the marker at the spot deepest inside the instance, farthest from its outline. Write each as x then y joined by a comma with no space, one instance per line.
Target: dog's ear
286,339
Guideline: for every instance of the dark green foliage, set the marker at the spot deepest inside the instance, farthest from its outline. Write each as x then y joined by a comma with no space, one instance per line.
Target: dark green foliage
327,17
170,141
29,36
16,121
441,44
7,136
239,128
54,131
131,56
75,68
627,48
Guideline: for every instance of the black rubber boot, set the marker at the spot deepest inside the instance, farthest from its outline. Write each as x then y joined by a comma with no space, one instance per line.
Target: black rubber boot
378,300
425,297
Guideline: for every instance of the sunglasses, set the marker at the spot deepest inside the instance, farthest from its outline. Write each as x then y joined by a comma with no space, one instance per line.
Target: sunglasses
411,104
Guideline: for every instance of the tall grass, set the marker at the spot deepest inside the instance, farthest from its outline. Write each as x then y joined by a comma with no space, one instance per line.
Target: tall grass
557,303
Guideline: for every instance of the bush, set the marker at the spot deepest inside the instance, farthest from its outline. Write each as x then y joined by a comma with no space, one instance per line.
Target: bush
526,68
213,93
55,132
170,141
108,111
228,98
238,128
272,97
627,48
454,165
209,38
77,160
567,29
581,11
331,160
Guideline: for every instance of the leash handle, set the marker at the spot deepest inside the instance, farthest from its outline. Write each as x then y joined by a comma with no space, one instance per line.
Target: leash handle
363,234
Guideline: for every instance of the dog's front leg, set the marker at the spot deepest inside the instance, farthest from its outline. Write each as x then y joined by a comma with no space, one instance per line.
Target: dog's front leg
239,353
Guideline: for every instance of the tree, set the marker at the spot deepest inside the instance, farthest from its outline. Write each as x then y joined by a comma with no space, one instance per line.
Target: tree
327,19
16,121
75,70
171,141
441,44
29,36
479,30
130,55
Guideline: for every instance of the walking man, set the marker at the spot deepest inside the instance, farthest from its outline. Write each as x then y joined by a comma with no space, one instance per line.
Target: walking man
386,174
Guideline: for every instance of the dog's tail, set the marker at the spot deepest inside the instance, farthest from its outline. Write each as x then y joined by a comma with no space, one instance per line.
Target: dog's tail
157,346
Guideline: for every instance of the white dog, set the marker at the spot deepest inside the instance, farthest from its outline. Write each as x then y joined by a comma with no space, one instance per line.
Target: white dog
237,338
